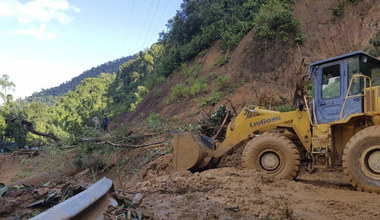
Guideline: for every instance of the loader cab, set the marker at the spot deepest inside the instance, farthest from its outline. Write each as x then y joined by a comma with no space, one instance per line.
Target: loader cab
331,81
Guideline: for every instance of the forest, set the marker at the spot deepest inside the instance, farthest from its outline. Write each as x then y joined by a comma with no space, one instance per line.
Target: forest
119,86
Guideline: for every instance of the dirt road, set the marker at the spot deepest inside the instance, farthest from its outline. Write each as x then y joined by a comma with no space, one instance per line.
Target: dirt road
234,193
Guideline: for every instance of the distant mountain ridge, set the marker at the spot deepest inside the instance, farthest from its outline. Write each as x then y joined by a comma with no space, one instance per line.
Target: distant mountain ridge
48,95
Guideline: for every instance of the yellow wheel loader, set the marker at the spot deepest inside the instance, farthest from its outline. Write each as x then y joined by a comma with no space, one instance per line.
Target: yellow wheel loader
339,125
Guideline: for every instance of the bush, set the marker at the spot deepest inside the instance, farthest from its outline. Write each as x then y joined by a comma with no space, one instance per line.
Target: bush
275,19
199,86
213,99
339,11
154,121
223,82
212,75
375,45
220,61
180,91
285,108
218,115
193,72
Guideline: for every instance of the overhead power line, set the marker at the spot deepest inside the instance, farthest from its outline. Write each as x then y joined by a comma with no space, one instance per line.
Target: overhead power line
128,25
151,22
145,20
160,19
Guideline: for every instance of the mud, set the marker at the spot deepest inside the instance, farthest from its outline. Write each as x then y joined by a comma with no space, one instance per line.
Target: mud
233,193
226,192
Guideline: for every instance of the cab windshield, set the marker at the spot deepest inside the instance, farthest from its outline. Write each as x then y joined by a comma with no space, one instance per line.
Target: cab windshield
361,64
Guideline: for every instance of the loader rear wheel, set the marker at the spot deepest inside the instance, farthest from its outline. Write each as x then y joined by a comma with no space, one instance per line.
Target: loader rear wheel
273,154
361,160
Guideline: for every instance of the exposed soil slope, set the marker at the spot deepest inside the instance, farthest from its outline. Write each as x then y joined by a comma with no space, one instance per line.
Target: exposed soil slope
269,76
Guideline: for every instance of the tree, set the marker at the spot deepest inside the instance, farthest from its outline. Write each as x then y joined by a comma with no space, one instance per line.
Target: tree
6,85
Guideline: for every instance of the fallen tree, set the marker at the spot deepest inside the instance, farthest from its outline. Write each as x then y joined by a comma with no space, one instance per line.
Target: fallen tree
28,126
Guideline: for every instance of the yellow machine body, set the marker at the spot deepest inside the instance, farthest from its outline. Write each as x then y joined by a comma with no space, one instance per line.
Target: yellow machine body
333,143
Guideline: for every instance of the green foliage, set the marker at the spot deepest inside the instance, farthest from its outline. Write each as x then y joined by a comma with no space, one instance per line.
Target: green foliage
128,81
285,108
15,131
220,61
76,109
212,75
180,91
193,72
154,121
218,115
339,11
202,53
199,86
375,44
5,85
51,95
309,88
169,148
140,94
135,80
199,23
191,127
213,99
276,20
69,117
223,82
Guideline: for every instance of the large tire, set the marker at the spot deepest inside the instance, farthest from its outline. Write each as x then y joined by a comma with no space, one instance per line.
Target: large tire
272,153
361,160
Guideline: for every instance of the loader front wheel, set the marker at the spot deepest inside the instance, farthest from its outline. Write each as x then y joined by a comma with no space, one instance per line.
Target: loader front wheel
272,153
361,160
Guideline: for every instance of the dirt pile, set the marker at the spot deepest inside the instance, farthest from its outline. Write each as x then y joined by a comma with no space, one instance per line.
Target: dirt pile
227,192
232,193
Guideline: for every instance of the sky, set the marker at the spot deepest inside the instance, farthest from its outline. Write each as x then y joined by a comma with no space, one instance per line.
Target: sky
44,43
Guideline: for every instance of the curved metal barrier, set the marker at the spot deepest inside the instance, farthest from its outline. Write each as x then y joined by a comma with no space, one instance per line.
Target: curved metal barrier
84,204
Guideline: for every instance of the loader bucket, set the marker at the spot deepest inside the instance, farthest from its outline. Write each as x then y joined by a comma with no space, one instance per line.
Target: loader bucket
190,151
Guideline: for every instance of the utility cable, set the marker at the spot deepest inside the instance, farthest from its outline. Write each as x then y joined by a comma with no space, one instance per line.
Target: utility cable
146,18
160,20
151,22
128,25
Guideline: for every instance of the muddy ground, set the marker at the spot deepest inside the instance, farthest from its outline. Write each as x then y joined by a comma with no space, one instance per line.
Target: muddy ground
234,193
227,192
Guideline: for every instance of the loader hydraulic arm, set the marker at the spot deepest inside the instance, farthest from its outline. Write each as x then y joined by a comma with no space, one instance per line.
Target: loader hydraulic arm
249,123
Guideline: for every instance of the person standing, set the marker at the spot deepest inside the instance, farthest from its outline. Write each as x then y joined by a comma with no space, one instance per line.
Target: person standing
96,122
105,123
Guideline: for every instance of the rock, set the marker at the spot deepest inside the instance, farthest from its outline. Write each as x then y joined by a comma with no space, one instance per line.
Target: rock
42,191
137,199
6,205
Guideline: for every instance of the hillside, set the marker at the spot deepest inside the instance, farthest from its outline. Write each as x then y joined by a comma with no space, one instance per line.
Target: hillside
51,93
204,62
273,75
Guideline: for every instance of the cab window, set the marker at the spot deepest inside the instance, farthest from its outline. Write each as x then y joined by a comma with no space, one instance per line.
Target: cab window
370,68
331,82
357,83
